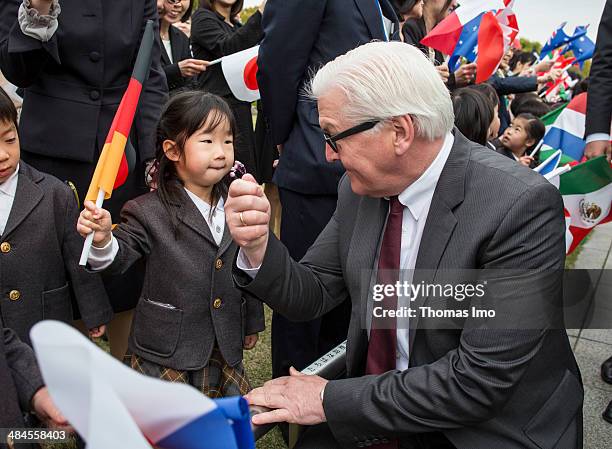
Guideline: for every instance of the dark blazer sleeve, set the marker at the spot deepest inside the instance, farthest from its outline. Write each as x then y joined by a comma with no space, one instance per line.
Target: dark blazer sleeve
513,84
470,384
155,92
180,51
282,67
24,369
599,100
207,32
255,321
87,287
22,57
133,237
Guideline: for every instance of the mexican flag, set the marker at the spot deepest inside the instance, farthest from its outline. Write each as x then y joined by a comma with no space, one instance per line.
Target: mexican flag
587,197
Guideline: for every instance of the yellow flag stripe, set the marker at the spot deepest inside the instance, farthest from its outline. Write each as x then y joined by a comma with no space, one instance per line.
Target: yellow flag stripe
107,167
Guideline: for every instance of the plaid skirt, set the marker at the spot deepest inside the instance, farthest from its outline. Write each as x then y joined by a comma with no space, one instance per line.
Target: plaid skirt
215,380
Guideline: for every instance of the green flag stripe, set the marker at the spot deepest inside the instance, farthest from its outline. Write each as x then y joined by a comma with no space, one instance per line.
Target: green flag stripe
551,117
587,177
545,154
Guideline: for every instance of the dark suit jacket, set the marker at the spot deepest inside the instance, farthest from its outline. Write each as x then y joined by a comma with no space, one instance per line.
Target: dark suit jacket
599,101
186,269
179,45
43,261
300,37
19,380
213,38
510,85
483,388
74,82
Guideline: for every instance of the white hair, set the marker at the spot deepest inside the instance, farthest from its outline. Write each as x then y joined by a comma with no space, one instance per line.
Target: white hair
382,80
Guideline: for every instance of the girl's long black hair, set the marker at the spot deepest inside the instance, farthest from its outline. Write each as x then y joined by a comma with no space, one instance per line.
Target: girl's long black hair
183,115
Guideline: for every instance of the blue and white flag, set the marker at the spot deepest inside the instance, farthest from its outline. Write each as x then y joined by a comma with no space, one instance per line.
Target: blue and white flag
113,406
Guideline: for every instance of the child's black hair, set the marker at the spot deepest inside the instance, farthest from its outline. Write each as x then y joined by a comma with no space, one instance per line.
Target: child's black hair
183,115
8,111
533,106
534,128
473,114
488,90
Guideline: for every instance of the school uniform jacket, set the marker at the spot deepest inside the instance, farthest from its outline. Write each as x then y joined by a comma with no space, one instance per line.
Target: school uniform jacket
179,46
188,299
39,259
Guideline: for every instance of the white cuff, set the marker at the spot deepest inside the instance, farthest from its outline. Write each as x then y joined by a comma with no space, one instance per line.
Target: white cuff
33,24
598,136
243,264
101,258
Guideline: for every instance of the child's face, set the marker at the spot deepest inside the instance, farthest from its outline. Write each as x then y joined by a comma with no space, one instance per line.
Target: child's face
515,137
207,157
9,150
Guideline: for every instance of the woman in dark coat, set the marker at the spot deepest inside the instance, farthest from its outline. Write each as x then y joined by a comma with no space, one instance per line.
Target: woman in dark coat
215,33
176,59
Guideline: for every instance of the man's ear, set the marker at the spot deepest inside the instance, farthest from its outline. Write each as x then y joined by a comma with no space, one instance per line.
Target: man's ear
171,150
403,135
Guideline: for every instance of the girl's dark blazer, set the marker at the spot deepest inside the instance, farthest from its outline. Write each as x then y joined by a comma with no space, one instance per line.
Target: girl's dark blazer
189,302
39,261
179,44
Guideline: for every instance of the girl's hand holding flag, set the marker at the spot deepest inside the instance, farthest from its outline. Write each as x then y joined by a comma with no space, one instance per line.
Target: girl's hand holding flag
97,220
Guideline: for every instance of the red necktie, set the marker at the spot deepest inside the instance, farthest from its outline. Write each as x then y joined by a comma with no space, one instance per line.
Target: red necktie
382,346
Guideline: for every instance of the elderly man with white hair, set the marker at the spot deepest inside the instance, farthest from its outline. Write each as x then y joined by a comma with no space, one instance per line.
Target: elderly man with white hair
417,195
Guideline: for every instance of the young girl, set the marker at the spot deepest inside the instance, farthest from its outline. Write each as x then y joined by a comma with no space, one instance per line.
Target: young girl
521,137
191,324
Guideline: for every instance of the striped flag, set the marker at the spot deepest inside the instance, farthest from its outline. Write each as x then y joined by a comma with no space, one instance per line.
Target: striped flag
117,157
567,131
587,197
113,406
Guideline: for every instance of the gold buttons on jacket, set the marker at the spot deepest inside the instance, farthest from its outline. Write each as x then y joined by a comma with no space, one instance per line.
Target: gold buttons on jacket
14,295
218,264
5,247
217,303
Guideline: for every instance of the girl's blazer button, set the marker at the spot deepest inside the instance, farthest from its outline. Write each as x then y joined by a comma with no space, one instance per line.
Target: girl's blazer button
217,303
218,264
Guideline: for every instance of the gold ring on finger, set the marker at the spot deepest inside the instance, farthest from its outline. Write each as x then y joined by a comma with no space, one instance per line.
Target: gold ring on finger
242,219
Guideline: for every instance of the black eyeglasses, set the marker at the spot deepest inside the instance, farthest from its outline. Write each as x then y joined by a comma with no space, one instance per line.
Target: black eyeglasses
331,140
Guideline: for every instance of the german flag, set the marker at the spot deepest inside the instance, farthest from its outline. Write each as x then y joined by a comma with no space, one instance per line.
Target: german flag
118,157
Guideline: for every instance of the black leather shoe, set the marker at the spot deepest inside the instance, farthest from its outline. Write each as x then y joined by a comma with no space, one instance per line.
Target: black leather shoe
606,371
607,415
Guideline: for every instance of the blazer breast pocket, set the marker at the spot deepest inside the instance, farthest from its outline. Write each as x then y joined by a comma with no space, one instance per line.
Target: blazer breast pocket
56,304
157,327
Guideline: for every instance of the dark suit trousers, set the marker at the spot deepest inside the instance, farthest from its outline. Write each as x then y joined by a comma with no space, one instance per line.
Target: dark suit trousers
299,344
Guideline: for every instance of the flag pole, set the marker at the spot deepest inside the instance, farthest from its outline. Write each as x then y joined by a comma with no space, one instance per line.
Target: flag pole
216,61
89,239
537,148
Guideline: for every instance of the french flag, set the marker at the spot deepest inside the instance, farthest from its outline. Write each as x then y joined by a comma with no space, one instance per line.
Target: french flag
567,132
113,406
480,31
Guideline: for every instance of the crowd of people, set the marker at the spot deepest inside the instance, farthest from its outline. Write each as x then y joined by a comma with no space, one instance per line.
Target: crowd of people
183,257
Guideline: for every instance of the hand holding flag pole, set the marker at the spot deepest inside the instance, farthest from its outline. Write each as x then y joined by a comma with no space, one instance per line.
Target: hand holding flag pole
114,163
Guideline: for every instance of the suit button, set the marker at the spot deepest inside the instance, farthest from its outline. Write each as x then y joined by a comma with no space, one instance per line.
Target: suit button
5,247
94,95
217,303
94,56
376,441
218,264
14,295
360,444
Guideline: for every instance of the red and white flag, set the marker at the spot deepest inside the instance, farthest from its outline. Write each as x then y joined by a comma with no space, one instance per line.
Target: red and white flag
240,71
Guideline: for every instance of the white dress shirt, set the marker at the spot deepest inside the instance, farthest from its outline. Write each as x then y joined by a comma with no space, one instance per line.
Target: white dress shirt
7,195
101,258
417,199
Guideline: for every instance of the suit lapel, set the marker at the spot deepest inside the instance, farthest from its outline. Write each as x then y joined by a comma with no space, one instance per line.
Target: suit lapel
441,220
371,17
189,214
27,197
361,260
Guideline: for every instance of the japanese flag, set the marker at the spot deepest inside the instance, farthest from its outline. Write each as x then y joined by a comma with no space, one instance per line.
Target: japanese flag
240,71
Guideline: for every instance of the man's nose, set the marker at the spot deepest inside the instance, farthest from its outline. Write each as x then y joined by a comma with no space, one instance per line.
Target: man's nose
330,154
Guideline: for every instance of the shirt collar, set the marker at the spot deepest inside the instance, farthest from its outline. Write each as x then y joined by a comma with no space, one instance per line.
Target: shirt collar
419,194
202,205
9,187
